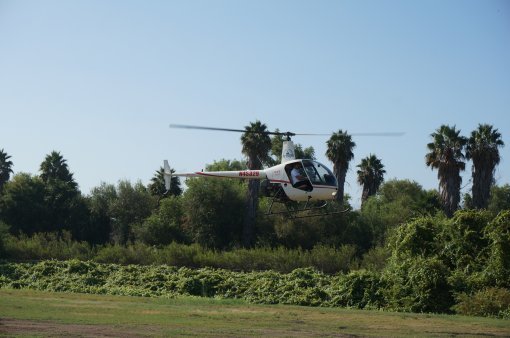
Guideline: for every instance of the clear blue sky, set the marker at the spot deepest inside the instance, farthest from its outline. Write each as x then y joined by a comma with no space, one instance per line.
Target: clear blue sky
100,81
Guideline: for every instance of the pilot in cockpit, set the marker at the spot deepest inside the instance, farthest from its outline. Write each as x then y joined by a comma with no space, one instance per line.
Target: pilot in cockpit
298,177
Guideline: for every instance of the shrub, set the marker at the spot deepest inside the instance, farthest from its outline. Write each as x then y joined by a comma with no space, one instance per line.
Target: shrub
46,246
493,302
418,284
416,238
464,242
358,289
137,253
497,270
376,259
332,260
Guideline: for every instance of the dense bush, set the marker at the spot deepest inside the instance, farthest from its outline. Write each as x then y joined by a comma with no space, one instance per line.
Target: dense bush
46,246
358,289
376,258
418,284
497,269
494,302
164,225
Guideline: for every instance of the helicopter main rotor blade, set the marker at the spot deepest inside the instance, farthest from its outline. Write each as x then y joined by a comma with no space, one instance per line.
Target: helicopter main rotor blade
288,133
185,126
397,133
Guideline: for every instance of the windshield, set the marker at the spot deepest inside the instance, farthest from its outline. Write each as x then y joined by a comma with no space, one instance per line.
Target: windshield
319,174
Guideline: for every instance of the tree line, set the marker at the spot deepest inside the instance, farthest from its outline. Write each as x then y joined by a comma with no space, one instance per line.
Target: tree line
226,214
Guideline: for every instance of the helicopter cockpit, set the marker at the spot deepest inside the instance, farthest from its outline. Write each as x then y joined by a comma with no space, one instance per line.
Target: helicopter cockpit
306,174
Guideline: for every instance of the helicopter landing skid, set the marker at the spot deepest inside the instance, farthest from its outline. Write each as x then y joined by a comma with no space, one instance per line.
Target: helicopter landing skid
298,212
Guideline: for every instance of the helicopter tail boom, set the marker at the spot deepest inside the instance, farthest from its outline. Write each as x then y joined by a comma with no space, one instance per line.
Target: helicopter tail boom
242,174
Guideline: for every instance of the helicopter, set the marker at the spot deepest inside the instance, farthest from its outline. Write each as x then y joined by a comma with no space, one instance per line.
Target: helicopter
293,180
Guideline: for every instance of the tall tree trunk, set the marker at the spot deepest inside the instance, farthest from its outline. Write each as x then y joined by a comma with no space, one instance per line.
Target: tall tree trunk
482,181
340,173
364,195
450,192
251,212
252,199
368,190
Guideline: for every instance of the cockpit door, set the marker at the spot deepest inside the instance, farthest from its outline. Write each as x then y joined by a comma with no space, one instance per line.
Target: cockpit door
318,174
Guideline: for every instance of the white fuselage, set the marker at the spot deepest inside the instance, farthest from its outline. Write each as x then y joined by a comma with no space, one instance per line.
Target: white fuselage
279,174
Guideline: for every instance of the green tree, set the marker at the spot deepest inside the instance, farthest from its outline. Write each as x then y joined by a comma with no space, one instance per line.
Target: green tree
340,147
276,148
164,226
397,202
370,176
213,211
446,155
307,153
5,169
132,206
157,186
482,148
54,167
412,195
499,199
4,235
99,202
23,206
256,145
65,208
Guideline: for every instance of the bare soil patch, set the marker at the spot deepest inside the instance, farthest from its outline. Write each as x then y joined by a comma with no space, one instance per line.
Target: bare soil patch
9,326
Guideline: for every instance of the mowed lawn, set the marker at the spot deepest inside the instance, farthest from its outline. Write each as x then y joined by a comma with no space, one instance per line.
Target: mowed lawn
36,313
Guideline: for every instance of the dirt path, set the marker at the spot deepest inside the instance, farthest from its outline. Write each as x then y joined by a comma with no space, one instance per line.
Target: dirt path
10,326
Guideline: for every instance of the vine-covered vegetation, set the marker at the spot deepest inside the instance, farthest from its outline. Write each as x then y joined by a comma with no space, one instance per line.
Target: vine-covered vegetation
305,286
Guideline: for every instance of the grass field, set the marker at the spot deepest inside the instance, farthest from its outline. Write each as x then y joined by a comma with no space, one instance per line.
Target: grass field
36,313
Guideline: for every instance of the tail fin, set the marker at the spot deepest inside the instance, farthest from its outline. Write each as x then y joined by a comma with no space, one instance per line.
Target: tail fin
167,174
288,153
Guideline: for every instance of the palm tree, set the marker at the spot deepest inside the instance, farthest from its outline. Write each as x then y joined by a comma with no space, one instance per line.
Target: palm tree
54,167
5,168
340,146
61,195
256,146
482,148
157,185
447,157
370,176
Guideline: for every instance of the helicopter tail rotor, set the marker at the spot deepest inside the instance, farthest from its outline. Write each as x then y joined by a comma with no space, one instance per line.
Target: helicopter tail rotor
167,174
